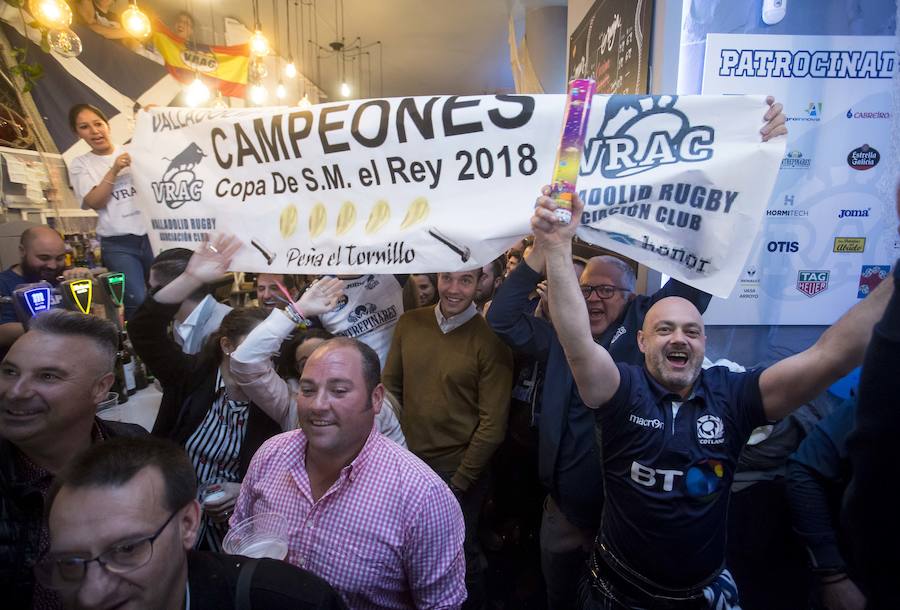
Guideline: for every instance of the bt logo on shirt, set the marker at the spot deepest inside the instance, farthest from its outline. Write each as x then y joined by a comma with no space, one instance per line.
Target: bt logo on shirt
703,480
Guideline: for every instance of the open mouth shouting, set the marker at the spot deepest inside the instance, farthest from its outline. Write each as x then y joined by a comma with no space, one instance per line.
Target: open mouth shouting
677,358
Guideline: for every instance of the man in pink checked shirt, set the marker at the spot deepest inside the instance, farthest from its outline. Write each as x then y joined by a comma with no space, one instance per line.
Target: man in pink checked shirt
365,514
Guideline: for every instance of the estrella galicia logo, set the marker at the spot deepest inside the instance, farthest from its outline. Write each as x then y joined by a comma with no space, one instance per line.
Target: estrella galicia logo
863,158
360,312
710,430
179,183
643,132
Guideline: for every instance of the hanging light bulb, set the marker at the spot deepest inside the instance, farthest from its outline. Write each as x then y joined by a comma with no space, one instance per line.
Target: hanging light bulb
259,44
280,91
197,93
304,104
290,70
65,42
135,22
220,103
52,14
345,90
258,94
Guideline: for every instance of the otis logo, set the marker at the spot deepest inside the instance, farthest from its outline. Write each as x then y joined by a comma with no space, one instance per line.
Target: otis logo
710,430
869,278
179,183
783,246
649,132
846,245
863,158
795,160
812,283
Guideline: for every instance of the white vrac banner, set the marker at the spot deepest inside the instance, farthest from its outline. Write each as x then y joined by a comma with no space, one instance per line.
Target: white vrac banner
427,184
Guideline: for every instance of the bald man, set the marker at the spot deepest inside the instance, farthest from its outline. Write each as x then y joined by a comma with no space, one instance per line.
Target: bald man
42,255
670,433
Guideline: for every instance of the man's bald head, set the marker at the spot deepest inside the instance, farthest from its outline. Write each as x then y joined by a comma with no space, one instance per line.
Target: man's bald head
42,254
673,341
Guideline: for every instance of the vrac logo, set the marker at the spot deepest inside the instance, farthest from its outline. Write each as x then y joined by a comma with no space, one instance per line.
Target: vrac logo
179,183
783,246
640,133
812,283
710,430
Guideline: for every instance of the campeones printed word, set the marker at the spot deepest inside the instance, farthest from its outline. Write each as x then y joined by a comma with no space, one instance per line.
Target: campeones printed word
759,63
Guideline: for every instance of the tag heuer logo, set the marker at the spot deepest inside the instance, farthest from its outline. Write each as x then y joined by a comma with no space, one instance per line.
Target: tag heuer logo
846,245
812,283
710,430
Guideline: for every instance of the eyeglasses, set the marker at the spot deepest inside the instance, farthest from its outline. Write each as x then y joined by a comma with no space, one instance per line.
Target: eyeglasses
604,291
67,571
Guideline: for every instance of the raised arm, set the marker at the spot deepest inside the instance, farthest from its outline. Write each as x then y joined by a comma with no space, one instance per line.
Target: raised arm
796,380
251,363
593,368
510,316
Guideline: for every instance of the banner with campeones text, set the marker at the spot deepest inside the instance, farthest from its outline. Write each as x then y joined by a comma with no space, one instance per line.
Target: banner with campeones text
446,183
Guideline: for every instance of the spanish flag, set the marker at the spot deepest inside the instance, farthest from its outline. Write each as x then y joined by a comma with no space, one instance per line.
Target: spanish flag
224,68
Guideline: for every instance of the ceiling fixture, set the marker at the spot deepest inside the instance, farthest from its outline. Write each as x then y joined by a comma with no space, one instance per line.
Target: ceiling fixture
65,42
197,93
290,68
304,103
280,91
52,14
343,53
135,22
259,44
220,103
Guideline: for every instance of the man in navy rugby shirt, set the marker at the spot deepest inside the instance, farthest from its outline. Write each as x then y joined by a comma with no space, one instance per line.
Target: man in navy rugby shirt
672,432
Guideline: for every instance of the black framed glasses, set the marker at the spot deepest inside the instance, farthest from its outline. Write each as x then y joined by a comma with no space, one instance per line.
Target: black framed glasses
68,570
604,291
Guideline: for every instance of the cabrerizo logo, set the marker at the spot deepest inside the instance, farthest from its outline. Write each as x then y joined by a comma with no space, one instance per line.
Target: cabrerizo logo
642,132
179,183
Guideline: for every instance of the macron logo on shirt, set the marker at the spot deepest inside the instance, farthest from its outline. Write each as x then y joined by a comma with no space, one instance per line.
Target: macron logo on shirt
646,423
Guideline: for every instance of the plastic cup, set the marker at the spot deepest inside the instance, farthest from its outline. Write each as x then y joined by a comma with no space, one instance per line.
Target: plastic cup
109,408
262,535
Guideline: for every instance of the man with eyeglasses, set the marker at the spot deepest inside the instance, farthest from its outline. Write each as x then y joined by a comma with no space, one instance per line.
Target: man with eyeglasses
50,384
568,458
123,518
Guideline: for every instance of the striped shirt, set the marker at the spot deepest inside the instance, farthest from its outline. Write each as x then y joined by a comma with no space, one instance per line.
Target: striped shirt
214,448
387,534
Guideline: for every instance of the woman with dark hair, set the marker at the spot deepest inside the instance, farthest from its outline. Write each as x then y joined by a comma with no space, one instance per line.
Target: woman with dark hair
420,291
101,179
253,370
202,407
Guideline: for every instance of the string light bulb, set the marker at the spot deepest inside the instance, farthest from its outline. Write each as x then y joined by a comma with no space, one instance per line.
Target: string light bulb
259,44
220,103
197,92
65,42
280,91
135,22
304,103
258,94
52,14
345,90
290,70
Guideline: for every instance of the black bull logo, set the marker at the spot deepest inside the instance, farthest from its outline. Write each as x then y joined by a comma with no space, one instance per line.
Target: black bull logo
186,160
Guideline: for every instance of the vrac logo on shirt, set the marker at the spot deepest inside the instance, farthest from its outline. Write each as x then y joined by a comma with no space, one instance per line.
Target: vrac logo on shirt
710,430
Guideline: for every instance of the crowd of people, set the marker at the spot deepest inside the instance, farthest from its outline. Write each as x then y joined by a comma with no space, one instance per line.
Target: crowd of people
532,433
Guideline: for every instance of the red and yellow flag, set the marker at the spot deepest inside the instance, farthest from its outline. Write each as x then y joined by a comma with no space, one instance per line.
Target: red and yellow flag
224,68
